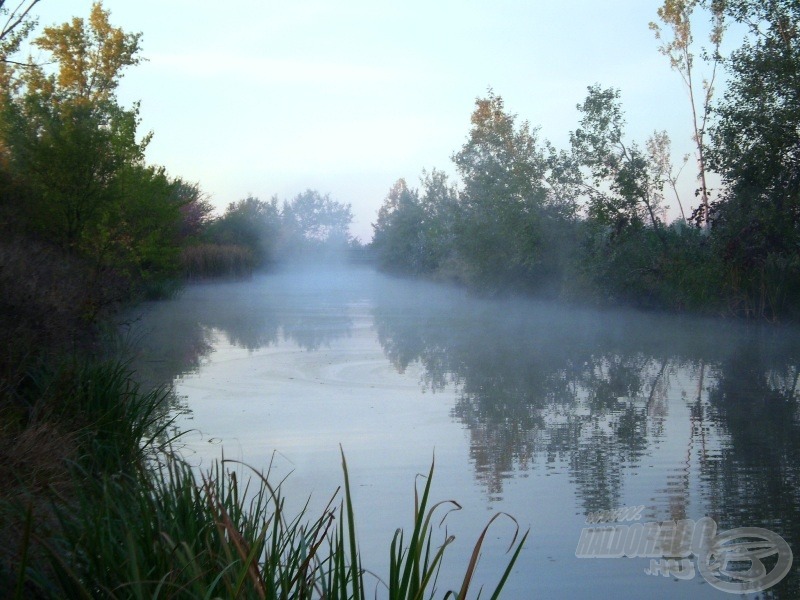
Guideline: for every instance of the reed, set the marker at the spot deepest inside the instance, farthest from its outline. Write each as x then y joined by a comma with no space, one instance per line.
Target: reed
217,260
138,522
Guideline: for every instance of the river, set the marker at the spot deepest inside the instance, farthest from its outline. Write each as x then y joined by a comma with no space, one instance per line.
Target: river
551,414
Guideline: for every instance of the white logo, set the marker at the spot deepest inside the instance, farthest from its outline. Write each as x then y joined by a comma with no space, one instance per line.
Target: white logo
730,561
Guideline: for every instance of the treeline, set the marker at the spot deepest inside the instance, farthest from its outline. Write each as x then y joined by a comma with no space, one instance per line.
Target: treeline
255,233
588,222
85,222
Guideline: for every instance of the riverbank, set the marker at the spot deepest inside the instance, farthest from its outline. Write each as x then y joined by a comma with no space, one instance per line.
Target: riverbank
95,503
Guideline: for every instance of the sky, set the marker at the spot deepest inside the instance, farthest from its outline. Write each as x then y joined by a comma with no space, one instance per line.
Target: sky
263,98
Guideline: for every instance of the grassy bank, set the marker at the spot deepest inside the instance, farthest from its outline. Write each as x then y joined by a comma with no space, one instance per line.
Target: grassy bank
96,505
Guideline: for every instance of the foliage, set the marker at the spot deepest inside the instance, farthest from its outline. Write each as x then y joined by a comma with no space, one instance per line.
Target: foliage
675,268
624,191
416,231
313,224
511,224
195,209
18,24
756,145
398,232
251,224
76,165
504,201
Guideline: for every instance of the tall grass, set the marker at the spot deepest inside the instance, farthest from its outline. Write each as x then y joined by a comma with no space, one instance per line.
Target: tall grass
136,521
217,260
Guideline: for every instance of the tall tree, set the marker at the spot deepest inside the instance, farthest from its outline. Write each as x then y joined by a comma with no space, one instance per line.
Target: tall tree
314,226
77,162
314,217
504,196
756,149
252,223
398,237
91,57
676,15
65,131
625,189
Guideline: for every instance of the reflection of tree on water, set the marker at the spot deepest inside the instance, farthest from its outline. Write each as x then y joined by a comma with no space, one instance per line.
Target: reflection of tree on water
754,401
590,391
178,335
538,387
543,388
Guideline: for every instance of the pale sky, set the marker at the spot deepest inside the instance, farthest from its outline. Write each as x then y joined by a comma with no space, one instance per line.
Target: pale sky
273,97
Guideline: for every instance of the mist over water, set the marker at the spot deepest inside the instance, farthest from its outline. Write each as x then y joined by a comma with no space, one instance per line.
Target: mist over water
545,412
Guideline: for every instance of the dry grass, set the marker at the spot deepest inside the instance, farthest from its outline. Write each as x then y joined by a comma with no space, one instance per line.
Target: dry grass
217,260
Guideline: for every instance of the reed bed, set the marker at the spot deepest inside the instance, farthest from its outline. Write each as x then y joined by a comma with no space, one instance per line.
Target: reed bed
136,521
217,260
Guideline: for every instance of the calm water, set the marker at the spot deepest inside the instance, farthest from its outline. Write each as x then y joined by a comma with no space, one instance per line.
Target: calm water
546,413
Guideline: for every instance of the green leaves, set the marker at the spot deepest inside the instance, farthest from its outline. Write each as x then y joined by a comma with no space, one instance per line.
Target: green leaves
624,191
75,153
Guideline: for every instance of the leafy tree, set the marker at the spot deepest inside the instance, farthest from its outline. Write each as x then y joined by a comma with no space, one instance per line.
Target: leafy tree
439,201
195,208
416,231
312,223
251,223
398,236
756,149
316,217
65,132
77,165
625,190
504,197
140,233
659,153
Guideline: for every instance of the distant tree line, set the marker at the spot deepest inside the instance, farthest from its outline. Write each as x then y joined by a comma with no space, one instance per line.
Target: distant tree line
589,222
254,233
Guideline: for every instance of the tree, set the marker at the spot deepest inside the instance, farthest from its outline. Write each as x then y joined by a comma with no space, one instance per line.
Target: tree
625,190
756,149
250,223
398,235
18,24
91,57
15,25
65,133
504,197
439,201
77,167
756,137
315,217
659,150
196,210
314,225
676,14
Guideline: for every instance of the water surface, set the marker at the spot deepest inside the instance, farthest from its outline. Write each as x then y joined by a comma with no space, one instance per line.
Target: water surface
545,412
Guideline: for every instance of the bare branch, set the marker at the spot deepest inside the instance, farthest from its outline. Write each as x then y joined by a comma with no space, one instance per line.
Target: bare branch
16,17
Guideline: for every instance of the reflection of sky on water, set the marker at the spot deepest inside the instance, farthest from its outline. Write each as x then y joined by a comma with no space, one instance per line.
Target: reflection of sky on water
547,413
